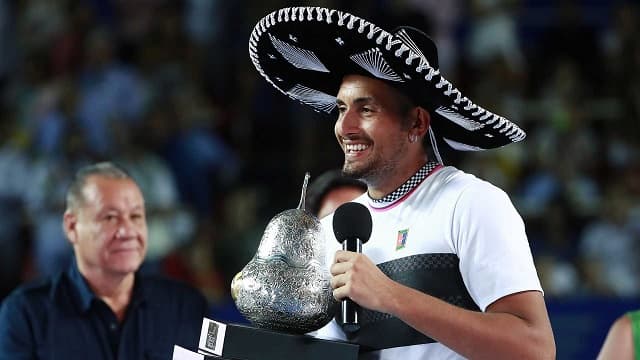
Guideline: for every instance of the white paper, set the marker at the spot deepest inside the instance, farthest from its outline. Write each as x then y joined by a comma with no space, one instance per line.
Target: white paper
180,353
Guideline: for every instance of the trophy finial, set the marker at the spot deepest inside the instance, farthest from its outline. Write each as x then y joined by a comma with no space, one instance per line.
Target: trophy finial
303,195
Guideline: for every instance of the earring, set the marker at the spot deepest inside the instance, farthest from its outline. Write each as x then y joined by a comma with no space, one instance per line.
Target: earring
413,138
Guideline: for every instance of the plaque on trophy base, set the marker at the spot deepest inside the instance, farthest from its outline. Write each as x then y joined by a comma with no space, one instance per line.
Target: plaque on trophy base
241,342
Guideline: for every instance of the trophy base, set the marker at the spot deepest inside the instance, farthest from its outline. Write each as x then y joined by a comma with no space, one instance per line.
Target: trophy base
241,342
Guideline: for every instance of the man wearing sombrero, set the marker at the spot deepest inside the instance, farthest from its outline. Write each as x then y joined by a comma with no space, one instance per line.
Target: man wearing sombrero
447,272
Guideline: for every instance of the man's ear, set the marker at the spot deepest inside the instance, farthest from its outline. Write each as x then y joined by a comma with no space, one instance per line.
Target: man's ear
422,120
69,223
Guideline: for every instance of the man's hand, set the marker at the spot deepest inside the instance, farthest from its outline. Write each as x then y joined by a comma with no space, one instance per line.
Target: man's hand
356,277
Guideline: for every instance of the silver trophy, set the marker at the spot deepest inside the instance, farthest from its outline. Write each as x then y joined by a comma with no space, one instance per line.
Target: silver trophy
286,286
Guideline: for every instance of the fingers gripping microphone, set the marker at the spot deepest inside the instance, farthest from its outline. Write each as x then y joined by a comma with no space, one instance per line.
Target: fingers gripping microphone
352,227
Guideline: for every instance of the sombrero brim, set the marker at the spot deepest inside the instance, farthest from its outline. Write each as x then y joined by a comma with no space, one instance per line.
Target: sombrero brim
304,52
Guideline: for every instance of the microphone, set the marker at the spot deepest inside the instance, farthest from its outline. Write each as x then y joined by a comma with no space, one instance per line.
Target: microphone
352,227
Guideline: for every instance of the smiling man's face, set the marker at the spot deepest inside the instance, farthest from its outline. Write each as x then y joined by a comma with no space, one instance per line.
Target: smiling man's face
371,128
109,230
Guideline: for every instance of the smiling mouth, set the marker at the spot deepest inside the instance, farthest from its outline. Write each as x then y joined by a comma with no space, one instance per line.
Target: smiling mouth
352,149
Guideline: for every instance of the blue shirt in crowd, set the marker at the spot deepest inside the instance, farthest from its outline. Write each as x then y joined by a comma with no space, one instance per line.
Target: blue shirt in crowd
61,318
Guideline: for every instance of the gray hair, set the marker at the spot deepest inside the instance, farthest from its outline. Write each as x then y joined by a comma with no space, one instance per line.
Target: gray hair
75,195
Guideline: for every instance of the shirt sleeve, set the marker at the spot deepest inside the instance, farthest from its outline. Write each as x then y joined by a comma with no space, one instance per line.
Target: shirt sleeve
491,242
16,339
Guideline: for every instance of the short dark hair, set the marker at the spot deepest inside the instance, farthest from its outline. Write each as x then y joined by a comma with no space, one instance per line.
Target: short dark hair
326,182
75,196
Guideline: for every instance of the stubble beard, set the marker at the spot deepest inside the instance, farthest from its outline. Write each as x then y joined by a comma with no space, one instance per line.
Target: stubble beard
377,169
370,173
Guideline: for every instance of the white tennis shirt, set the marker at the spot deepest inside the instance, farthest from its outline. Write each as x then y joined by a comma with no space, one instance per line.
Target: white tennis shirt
450,211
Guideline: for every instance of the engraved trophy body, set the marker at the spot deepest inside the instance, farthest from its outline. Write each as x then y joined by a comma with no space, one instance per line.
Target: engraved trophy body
286,285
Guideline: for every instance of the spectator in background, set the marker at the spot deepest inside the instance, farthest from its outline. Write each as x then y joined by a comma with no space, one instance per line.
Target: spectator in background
623,339
608,247
622,54
493,34
203,163
14,173
112,93
100,307
54,156
330,190
569,37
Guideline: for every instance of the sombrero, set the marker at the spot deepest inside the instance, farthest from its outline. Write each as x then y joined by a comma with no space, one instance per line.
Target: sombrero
304,52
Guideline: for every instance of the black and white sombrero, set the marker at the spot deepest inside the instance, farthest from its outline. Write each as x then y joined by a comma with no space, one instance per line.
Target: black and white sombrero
305,52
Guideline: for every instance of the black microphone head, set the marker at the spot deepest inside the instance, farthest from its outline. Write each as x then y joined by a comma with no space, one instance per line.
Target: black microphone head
352,220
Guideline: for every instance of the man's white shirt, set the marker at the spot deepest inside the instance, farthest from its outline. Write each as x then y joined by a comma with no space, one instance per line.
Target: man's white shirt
449,212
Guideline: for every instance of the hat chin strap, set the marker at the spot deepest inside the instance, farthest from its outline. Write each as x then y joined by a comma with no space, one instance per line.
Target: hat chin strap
434,146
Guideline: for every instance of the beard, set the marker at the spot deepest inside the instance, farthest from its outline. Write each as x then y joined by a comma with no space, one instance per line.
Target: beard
369,172
378,167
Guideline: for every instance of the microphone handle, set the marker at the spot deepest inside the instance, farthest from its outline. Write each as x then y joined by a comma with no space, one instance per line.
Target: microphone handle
349,309
352,244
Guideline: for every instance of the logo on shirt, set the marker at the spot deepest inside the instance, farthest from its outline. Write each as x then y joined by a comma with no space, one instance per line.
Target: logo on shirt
402,239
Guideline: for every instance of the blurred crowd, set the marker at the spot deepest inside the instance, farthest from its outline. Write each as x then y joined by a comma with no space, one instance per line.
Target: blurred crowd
166,88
